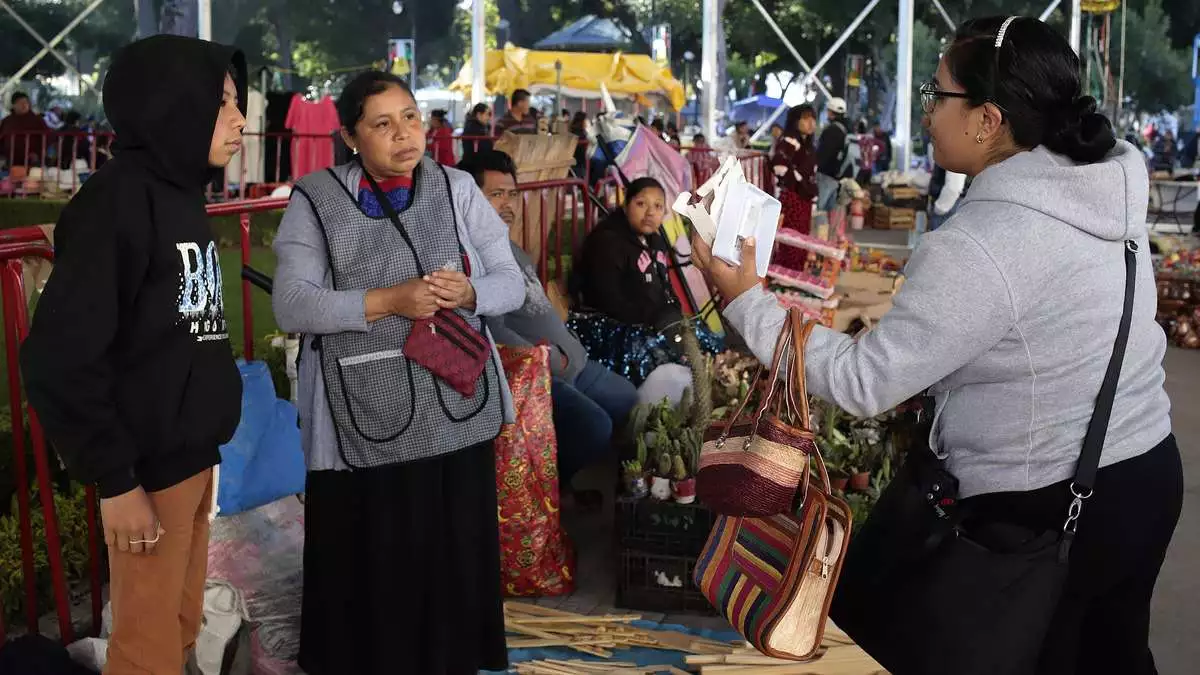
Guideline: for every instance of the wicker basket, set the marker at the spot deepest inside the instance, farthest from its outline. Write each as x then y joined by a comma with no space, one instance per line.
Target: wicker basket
539,157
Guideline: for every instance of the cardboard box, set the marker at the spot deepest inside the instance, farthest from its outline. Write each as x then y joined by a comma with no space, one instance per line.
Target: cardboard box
864,295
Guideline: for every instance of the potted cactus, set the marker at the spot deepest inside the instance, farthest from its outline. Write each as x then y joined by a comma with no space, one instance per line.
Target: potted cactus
634,471
660,483
669,437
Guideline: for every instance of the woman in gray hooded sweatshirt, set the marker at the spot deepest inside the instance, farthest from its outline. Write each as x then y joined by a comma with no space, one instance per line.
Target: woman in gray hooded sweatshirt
1008,317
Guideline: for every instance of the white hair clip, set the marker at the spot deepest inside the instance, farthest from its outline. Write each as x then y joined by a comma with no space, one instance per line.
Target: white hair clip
1004,29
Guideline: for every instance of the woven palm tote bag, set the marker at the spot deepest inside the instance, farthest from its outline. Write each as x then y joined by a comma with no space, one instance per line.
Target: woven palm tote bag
754,465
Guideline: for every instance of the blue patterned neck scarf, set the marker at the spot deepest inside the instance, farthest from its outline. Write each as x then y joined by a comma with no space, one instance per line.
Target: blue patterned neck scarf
397,190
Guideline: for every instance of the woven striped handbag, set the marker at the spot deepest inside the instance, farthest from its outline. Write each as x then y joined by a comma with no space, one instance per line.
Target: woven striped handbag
772,577
753,466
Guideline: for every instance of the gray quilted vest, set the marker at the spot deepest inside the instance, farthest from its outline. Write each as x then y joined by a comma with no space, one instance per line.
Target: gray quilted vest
388,409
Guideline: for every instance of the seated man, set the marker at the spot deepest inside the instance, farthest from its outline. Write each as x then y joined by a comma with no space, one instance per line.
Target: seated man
589,400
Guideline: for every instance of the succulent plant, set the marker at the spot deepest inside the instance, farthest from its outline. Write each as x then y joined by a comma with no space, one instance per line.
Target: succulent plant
664,464
680,469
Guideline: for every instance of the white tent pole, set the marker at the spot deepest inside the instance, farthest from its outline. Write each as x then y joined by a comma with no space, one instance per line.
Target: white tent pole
710,23
12,81
478,54
788,43
904,84
204,19
1121,80
812,74
1050,10
945,15
37,36
1076,25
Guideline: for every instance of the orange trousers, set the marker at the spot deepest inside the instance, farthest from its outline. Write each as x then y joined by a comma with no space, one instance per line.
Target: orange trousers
158,598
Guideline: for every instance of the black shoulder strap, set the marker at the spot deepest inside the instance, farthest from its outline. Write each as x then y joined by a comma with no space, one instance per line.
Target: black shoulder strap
390,211
1093,441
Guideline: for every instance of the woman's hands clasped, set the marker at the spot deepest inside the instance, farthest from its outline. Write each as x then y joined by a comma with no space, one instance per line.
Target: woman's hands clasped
421,298
452,289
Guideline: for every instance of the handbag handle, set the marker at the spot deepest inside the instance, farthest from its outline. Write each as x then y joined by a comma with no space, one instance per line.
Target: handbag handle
781,346
797,386
797,396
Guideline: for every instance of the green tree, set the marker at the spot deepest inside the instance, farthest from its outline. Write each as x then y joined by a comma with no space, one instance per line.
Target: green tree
1157,76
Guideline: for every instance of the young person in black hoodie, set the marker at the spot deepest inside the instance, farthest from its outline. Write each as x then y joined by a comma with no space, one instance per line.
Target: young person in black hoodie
128,363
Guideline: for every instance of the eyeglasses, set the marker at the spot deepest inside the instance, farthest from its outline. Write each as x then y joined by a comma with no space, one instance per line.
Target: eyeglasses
930,95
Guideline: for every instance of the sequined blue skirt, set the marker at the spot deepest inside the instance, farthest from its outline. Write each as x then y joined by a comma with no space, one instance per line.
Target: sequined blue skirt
634,351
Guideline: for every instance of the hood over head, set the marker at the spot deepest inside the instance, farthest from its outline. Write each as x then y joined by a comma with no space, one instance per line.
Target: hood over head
162,96
1106,199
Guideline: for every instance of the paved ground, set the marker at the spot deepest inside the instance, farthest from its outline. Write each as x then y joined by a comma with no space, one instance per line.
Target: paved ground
1176,613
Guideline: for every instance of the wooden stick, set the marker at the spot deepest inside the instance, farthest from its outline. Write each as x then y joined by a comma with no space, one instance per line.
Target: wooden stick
526,630
519,643
606,618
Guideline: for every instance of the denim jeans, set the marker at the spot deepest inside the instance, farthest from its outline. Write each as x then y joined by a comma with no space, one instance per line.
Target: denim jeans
827,192
585,414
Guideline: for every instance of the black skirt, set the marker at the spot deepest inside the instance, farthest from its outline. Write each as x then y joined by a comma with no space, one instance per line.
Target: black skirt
402,569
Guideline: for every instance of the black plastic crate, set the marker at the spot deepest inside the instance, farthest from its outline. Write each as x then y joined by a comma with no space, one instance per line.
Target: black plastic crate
659,583
669,528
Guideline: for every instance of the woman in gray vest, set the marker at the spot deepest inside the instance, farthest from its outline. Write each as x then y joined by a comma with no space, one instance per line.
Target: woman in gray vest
401,556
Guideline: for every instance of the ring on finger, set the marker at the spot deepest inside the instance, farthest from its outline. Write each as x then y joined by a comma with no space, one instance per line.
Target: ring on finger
157,536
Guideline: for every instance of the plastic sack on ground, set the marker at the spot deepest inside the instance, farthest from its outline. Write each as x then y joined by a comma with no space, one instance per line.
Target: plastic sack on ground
535,557
261,553
263,461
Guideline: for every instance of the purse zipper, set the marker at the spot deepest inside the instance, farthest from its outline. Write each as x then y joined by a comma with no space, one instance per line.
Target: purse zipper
450,338
477,341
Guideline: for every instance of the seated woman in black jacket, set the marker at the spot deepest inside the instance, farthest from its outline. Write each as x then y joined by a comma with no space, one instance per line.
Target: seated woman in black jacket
624,262
623,286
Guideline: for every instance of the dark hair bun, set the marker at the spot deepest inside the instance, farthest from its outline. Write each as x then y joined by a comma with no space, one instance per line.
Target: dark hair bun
1033,76
1085,135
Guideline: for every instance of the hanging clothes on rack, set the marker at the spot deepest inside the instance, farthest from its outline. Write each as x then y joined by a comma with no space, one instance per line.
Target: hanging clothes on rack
278,149
247,166
312,146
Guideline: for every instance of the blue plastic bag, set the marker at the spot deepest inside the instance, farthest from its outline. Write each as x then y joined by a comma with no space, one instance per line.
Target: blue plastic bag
263,461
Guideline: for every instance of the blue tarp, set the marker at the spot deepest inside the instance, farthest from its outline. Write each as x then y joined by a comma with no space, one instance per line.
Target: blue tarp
263,461
642,657
755,110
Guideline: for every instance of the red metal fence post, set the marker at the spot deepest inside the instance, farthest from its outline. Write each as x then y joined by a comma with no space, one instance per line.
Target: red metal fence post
15,297
12,341
247,308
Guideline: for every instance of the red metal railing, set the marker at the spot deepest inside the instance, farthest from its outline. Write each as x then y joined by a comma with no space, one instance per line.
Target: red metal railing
243,210
16,244
37,172
559,205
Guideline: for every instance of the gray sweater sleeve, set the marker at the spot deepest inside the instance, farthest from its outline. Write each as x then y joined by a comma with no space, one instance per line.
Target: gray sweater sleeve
954,306
501,287
304,300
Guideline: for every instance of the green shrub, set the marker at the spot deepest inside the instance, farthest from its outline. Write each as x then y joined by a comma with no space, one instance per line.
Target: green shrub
70,508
